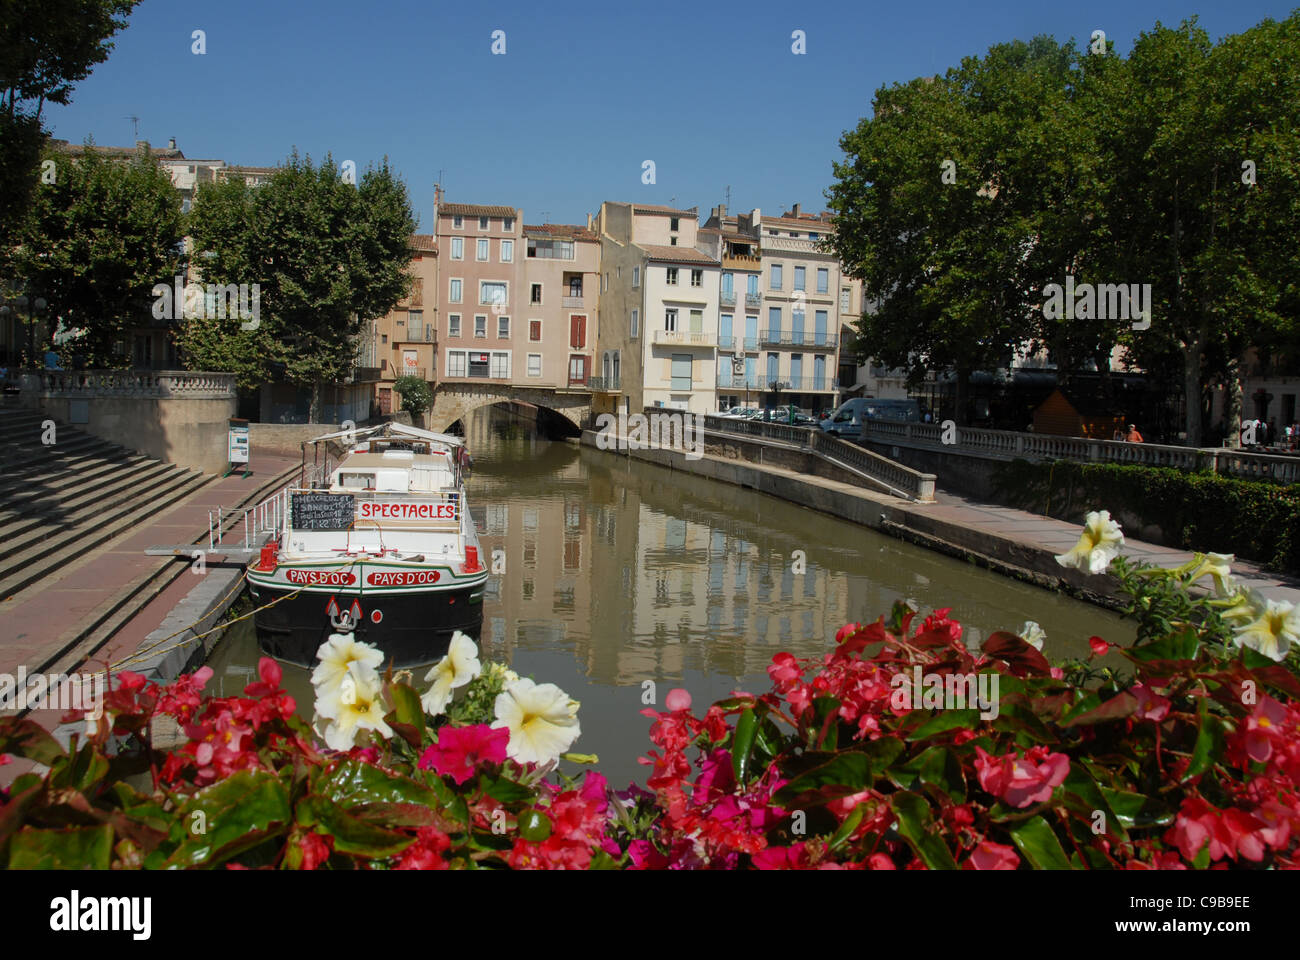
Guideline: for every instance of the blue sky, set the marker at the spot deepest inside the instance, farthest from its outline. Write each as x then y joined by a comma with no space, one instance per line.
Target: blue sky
585,92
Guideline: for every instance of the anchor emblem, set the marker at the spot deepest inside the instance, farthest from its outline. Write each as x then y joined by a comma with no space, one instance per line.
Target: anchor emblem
343,621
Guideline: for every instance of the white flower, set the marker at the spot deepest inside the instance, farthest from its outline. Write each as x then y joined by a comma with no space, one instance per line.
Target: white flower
1276,626
542,720
1215,565
1033,634
359,708
336,653
1098,545
454,670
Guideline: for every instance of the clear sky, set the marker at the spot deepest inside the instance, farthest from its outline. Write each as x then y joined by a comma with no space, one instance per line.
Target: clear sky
585,92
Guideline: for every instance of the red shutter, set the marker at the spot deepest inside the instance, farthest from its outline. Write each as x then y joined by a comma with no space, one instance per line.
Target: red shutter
578,331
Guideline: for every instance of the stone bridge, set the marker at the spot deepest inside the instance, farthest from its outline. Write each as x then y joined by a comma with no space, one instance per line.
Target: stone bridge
455,400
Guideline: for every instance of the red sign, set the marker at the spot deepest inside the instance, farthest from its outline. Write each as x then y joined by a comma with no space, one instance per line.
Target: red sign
332,578
401,578
373,510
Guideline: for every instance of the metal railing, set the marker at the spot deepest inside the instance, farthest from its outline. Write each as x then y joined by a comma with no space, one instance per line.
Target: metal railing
727,298
604,384
685,338
419,334
750,344
1011,445
789,338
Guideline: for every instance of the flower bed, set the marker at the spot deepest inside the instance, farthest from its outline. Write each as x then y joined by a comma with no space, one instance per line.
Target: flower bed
899,749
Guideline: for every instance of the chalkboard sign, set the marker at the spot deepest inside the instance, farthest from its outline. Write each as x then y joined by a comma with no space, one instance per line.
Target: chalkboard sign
322,511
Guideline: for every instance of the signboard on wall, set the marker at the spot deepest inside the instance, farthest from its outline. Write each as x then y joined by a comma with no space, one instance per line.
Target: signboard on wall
238,441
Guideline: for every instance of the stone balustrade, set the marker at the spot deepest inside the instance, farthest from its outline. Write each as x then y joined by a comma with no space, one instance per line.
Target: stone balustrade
165,384
1011,445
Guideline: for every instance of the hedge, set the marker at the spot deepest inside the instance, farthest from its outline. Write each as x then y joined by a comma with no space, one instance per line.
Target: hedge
1256,520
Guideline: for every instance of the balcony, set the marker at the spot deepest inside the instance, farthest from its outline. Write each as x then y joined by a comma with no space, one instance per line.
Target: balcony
424,334
740,382
809,384
727,298
741,261
788,338
576,303
364,375
789,384
400,371
753,300
729,344
603,384
683,338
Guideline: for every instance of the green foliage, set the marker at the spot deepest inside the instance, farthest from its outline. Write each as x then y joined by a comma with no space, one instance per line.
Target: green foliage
329,257
1256,520
95,243
415,393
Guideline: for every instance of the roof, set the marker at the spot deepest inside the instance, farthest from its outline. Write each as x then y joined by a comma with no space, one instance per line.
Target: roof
567,231
391,429
677,254
424,242
816,224
660,208
474,210
156,153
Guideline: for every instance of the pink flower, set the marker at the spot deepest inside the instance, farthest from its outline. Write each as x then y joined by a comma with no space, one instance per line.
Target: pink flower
1151,706
880,861
1021,781
269,686
459,750
677,699
426,852
992,856
1099,646
784,670
783,858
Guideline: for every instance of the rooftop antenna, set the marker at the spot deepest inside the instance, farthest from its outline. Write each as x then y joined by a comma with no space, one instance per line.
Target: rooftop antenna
545,214
135,126
728,196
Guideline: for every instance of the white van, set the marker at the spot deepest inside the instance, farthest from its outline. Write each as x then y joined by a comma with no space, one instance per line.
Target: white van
848,419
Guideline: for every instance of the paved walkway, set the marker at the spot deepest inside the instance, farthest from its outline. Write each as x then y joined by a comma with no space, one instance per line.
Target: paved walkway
1060,535
38,622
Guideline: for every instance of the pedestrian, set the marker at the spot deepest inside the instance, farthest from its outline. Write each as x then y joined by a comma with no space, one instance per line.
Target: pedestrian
1133,436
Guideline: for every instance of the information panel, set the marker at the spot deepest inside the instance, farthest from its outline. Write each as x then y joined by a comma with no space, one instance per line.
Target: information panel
321,511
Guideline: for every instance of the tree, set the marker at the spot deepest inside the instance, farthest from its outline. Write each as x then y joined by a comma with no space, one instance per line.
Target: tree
329,257
415,394
46,46
94,244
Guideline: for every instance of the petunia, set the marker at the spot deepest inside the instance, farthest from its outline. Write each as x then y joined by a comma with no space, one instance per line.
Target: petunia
359,708
1098,545
542,720
1215,566
336,654
1276,626
1033,634
457,668
460,750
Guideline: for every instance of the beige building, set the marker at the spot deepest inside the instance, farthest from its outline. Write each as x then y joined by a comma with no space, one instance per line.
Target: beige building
407,337
561,289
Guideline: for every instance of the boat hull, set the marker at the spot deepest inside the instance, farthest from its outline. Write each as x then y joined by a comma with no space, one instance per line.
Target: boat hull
410,627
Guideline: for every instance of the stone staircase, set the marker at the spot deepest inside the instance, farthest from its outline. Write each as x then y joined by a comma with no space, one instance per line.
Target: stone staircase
60,501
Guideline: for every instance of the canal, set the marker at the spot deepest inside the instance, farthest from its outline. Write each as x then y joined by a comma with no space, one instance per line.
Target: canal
619,572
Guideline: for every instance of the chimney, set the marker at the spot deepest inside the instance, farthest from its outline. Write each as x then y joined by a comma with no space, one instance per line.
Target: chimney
171,144
795,213
142,149
588,221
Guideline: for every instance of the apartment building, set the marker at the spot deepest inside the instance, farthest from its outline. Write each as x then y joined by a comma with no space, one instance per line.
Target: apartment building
735,240
560,291
408,334
659,306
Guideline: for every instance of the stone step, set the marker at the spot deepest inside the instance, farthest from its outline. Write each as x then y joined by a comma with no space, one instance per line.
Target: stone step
46,516
34,454
21,492
20,571
59,464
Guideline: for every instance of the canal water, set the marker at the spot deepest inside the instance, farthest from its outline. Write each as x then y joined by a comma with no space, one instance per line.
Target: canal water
619,572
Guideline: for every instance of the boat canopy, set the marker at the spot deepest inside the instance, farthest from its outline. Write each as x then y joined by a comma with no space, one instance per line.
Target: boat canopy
392,429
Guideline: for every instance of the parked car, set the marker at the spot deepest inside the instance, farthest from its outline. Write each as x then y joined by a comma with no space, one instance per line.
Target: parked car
739,413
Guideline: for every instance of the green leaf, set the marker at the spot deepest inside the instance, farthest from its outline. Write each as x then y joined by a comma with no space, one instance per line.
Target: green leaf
742,744
1083,796
504,789
27,738
1039,845
229,817
914,823
850,824
1135,809
1209,742
937,766
942,722
352,834
356,782
82,848
407,706
1183,645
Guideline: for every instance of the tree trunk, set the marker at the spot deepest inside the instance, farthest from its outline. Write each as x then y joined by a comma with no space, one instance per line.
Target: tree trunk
1233,400
1192,393
963,396
313,413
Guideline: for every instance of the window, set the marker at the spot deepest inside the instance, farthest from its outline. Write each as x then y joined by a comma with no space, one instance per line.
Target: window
383,338
503,328
681,370
697,278
697,321
672,241
844,299
482,254
478,364
535,331
774,279
672,223
456,363
578,330
799,278
535,293
458,222
534,364
480,326
575,285
545,249
823,280
454,290
492,291
670,320
577,369
482,223
508,224
605,283
672,276
814,236
458,248
507,251
453,324
634,326
501,365
415,322
636,276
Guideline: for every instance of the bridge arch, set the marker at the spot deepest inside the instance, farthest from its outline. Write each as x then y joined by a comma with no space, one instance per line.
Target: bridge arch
455,401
